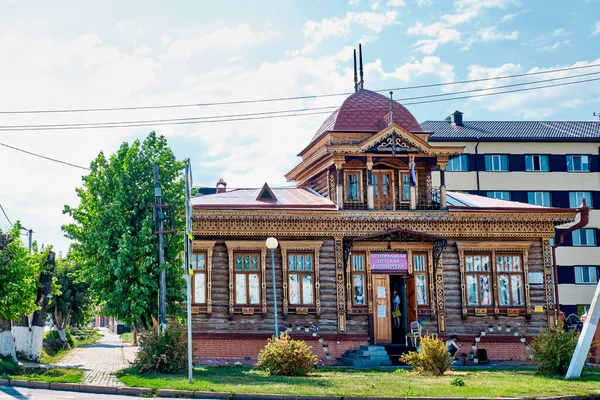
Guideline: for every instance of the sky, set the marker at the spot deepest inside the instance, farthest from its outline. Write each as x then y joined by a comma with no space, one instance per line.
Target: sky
89,54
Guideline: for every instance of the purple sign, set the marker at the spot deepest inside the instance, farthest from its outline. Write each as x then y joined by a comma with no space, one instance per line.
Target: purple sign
389,262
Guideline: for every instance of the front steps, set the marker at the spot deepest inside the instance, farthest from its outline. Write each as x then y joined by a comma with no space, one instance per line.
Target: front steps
371,356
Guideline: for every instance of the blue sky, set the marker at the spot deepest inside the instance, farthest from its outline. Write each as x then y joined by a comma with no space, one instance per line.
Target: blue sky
74,54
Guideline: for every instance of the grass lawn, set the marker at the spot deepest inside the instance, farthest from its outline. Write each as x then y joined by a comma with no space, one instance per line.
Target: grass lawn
127,337
56,375
339,381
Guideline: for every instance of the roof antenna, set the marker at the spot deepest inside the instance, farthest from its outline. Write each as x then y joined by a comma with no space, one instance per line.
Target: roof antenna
362,81
355,74
392,121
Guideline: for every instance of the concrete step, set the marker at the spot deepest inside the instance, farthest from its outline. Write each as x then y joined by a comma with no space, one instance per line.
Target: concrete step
381,352
372,347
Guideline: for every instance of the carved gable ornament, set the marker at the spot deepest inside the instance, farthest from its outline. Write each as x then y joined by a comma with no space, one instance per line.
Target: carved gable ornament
394,139
393,144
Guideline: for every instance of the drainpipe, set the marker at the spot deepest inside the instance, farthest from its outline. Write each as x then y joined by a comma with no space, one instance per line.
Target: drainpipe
584,212
477,164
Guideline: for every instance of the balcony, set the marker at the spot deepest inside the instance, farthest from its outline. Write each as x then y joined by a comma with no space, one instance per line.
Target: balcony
415,198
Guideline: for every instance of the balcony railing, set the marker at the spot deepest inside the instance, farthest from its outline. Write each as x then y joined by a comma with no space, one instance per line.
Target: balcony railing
426,199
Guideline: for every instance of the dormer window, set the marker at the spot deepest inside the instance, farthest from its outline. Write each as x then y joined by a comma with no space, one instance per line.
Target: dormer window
353,189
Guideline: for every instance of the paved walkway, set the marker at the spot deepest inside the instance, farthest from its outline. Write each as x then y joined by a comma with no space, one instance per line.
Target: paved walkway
101,360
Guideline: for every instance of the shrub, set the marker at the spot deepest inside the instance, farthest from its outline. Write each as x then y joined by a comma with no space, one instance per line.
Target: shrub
457,382
8,366
286,356
552,351
164,352
432,357
52,343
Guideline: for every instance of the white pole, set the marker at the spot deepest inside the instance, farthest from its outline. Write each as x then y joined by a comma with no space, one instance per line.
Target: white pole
585,338
186,258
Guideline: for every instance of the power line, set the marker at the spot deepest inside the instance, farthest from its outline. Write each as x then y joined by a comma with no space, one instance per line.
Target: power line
44,157
9,127
6,216
265,100
258,116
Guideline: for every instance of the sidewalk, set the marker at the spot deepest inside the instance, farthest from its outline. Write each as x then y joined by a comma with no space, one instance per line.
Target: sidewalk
101,360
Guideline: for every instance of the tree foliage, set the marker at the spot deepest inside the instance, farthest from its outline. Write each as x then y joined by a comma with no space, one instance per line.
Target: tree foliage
18,277
113,229
72,303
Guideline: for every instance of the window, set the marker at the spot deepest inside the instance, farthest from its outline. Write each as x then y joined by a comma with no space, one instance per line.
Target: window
478,271
536,163
575,199
199,278
405,188
301,279
584,237
353,182
499,195
496,162
586,274
420,268
359,287
510,280
247,279
458,163
578,163
539,198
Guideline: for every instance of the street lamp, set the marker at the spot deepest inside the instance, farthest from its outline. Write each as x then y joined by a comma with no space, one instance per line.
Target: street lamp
272,245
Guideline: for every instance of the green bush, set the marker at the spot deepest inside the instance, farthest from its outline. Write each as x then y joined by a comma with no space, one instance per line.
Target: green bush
164,352
286,356
552,351
432,357
8,367
457,382
52,343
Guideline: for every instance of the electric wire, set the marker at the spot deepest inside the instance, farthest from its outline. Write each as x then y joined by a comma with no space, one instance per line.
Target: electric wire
258,116
44,157
6,127
275,99
6,216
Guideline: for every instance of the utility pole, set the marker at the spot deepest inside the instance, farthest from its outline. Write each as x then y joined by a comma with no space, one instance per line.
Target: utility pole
30,237
187,260
162,284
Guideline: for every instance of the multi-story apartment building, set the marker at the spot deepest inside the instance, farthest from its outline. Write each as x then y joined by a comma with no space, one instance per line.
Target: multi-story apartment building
549,163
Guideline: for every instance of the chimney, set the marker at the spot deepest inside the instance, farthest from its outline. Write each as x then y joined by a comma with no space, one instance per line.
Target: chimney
221,186
457,118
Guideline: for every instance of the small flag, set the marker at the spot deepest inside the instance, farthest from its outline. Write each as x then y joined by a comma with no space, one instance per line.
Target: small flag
413,174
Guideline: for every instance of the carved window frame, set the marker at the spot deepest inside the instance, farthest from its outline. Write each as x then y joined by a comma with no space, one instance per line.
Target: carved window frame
367,283
256,246
313,247
493,248
360,182
206,247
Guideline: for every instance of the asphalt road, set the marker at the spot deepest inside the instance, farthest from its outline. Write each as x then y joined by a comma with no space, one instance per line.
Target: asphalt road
13,393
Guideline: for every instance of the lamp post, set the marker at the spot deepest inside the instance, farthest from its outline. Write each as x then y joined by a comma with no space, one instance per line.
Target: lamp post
272,245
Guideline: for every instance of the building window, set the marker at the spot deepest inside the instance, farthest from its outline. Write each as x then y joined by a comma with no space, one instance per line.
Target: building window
405,185
301,279
247,279
575,199
199,281
578,163
359,286
539,198
584,237
478,273
419,267
536,163
458,163
499,195
509,269
586,274
496,162
353,182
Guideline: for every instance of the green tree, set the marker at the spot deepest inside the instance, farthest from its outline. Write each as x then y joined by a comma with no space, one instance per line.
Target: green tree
113,230
18,286
72,303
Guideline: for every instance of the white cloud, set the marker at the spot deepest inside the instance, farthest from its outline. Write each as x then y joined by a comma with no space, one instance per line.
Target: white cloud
596,29
396,3
491,34
429,65
220,39
556,45
165,39
316,32
560,32
142,50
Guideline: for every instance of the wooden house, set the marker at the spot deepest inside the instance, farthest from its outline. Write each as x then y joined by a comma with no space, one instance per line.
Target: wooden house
363,221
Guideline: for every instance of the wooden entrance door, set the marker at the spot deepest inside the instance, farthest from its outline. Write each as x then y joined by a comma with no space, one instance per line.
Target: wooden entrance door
383,190
411,300
382,321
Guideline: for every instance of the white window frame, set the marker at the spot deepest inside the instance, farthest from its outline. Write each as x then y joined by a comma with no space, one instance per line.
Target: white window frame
499,194
584,163
539,198
592,274
495,162
590,238
575,199
459,163
540,157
